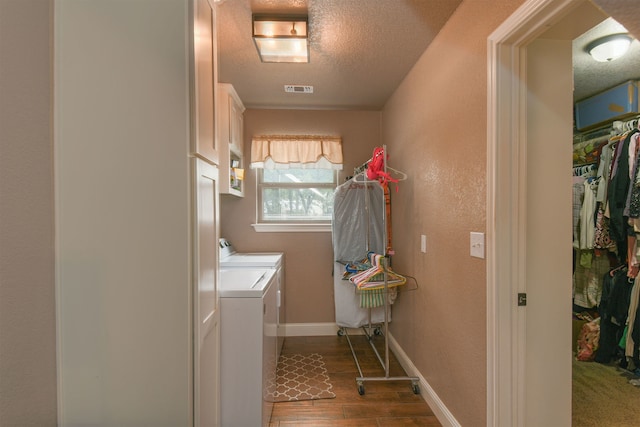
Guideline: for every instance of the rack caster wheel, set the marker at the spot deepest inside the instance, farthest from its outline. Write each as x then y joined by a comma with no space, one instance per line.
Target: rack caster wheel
361,389
340,332
377,331
416,388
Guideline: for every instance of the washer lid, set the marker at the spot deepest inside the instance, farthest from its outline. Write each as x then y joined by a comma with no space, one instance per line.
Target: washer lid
252,259
244,283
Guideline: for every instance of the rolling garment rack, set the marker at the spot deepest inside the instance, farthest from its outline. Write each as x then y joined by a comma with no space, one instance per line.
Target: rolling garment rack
380,263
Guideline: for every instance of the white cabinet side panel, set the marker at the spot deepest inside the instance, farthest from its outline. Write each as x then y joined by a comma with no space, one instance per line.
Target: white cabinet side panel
121,120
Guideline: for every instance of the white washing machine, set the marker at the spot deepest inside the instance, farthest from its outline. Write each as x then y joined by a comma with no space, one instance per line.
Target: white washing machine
230,259
248,342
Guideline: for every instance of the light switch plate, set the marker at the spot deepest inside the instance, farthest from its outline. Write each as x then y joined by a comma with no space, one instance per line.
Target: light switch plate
477,244
423,243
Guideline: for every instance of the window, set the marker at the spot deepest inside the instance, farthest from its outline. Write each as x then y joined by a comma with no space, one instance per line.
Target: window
296,195
296,178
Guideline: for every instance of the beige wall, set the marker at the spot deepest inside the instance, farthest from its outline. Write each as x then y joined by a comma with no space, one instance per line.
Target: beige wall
623,11
308,256
435,127
27,303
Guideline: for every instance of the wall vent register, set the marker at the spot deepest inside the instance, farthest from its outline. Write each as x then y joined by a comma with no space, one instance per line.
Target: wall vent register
298,89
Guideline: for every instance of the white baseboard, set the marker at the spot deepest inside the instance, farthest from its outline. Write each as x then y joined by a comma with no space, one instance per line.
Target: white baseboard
316,330
310,329
441,412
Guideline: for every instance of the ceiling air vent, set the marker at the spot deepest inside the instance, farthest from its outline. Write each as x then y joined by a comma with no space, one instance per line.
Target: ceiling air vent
298,89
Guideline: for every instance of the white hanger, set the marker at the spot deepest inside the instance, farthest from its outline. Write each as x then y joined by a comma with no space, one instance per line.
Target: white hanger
403,176
363,174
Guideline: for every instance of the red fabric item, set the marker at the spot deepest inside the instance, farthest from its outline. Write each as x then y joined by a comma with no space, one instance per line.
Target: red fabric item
375,168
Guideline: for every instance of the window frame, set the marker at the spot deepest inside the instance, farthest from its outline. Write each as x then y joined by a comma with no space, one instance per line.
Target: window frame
290,225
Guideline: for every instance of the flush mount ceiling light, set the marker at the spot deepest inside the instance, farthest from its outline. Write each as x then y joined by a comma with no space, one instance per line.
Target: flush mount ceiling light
281,38
610,47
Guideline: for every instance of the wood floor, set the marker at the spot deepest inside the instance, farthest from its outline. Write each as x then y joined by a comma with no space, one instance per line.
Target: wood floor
384,404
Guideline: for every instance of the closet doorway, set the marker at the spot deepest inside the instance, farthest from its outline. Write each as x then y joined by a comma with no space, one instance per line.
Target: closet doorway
529,212
604,390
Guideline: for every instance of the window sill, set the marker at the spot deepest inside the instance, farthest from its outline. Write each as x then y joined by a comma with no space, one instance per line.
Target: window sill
292,228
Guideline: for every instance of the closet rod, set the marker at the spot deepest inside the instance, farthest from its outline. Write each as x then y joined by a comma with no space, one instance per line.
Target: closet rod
614,126
595,139
626,125
595,134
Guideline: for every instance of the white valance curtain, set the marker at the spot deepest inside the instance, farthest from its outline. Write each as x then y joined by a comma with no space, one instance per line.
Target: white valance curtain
296,152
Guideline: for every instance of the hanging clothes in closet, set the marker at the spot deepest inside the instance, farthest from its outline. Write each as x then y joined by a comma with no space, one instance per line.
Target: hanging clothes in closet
610,200
603,237
631,214
591,240
618,196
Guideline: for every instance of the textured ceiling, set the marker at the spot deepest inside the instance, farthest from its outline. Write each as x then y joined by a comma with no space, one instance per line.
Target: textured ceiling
590,76
362,49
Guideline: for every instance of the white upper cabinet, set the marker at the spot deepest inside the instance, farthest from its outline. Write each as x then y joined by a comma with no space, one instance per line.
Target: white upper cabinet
231,139
206,75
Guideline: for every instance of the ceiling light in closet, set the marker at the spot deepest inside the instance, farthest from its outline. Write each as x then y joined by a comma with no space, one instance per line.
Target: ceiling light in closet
610,47
281,38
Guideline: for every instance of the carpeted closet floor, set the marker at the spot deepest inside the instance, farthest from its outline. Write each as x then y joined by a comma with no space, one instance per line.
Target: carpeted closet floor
603,396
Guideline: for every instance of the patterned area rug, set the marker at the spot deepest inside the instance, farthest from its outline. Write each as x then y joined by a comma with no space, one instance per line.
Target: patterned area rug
300,377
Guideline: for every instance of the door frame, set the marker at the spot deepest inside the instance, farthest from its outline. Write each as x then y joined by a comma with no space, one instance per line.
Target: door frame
506,205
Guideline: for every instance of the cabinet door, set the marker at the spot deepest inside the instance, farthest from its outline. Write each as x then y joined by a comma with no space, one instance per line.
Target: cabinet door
235,125
230,135
206,299
205,79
